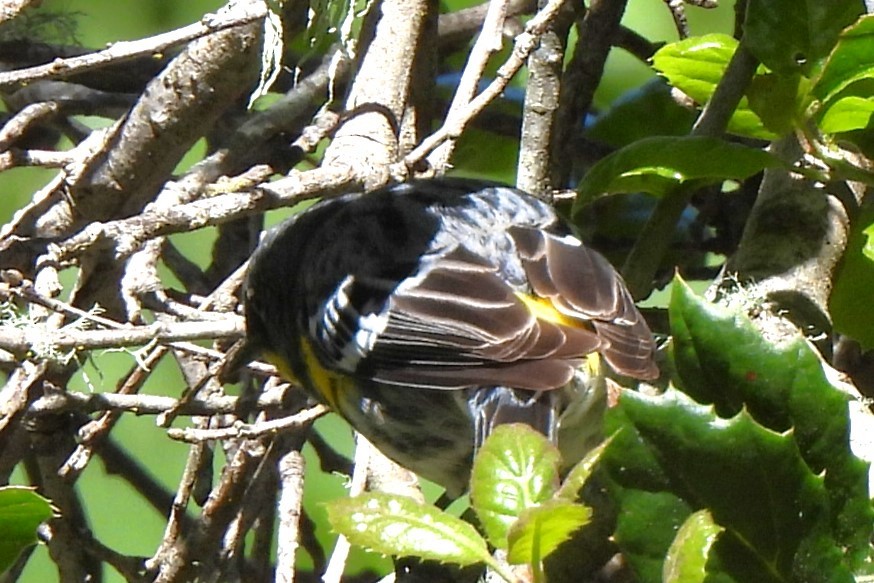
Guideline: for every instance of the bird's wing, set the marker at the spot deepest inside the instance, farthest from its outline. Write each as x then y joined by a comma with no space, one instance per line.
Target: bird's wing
580,283
454,324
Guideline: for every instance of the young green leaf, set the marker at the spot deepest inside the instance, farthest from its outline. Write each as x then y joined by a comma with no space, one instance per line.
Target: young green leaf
850,303
696,65
851,61
21,511
539,530
401,526
580,473
515,469
658,165
686,561
722,359
846,114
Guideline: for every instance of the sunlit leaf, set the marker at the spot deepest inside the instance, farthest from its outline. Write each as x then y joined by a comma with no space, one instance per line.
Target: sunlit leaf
21,512
658,165
540,530
401,526
515,469
696,65
687,558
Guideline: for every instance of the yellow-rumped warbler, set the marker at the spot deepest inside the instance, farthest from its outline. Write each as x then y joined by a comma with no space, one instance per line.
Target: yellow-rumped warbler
428,312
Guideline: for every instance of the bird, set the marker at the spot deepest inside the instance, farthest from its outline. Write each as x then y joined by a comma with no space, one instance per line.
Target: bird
428,312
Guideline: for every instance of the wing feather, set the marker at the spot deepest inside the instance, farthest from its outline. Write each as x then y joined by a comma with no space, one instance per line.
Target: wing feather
581,283
457,323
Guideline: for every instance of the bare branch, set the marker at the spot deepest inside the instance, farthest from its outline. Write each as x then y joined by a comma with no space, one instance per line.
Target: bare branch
525,43
126,50
249,430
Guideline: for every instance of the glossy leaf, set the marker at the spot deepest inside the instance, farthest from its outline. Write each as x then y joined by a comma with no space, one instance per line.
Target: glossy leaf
851,304
753,480
847,114
851,61
541,529
580,473
660,164
515,469
722,359
696,65
648,521
401,526
686,561
21,512
791,36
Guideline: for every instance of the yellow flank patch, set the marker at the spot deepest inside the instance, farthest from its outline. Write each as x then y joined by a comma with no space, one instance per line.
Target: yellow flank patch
543,309
281,365
326,382
593,364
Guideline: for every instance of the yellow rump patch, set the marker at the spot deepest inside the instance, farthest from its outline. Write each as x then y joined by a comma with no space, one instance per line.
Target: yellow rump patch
543,309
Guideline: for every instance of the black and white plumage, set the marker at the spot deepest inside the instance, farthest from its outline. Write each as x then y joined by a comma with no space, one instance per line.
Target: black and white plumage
425,312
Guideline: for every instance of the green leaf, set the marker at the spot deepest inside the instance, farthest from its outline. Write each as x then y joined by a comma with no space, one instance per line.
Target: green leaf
850,303
722,359
646,527
696,65
540,530
777,99
649,110
401,526
753,480
687,558
515,469
21,512
580,473
846,114
851,61
790,36
660,164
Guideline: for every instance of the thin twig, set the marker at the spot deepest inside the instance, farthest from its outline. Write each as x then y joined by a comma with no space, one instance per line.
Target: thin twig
248,430
126,50
488,42
524,44
291,473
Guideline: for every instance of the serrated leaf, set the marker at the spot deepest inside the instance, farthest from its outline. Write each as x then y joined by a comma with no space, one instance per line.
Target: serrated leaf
753,481
400,526
515,469
540,530
696,65
659,164
580,473
794,35
21,512
686,561
722,359
851,61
